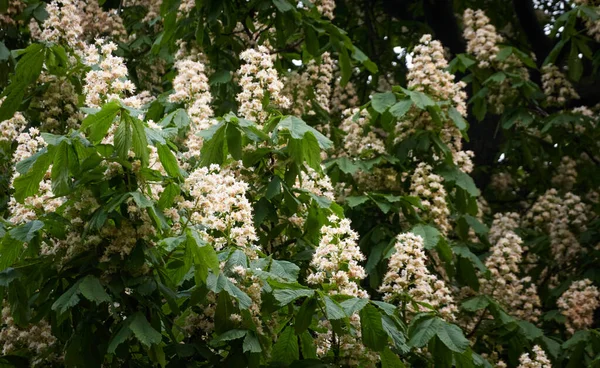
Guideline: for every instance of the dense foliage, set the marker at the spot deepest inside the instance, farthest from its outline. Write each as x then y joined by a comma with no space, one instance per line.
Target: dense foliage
305,184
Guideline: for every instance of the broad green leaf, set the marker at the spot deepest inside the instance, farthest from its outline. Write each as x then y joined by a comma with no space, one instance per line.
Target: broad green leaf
286,296
213,150
400,108
230,335
92,290
123,138
298,128
476,303
423,330
143,331
251,343
140,142
305,315
98,124
333,309
67,300
390,360
354,305
452,336
461,179
431,236
24,233
286,348
28,184
458,119
283,5
372,333
63,159
382,101
168,160
120,337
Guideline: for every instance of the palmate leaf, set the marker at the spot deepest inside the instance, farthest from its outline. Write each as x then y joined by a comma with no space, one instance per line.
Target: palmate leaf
286,348
372,332
28,184
97,124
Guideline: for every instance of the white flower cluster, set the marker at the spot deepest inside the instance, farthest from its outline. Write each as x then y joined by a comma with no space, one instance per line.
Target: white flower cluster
37,339
352,352
191,88
218,202
565,176
430,189
578,304
152,7
10,13
556,86
359,140
482,38
343,97
336,260
502,181
63,25
504,284
11,128
429,75
99,23
109,81
408,279
259,78
482,41
540,360
58,105
321,76
325,7
502,224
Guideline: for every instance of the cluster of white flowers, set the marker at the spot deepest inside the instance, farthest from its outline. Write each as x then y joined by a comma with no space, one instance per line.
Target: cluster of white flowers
408,279
29,143
109,81
502,224
551,206
430,189
99,23
11,128
359,140
429,75
10,13
321,76
191,88
482,38
152,7
202,320
482,41
502,181
518,295
336,260
36,339
556,86
343,98
352,353
63,25
296,88
185,8
218,202
259,78
565,176
540,360
378,179
578,304
325,7
58,105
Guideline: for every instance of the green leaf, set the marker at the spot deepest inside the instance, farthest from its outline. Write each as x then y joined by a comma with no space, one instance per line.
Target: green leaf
382,101
298,128
423,330
204,255
213,149
390,360
63,158
286,348
461,179
476,303
307,344
345,65
143,331
230,335
234,142
356,201
92,290
251,343
120,337
305,315
67,300
286,296
24,233
529,330
400,108
98,124
333,309
4,52
420,99
29,184
452,336
140,142
168,160
575,63
283,5
354,305
458,119
123,138
220,77
373,334
141,200
431,236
